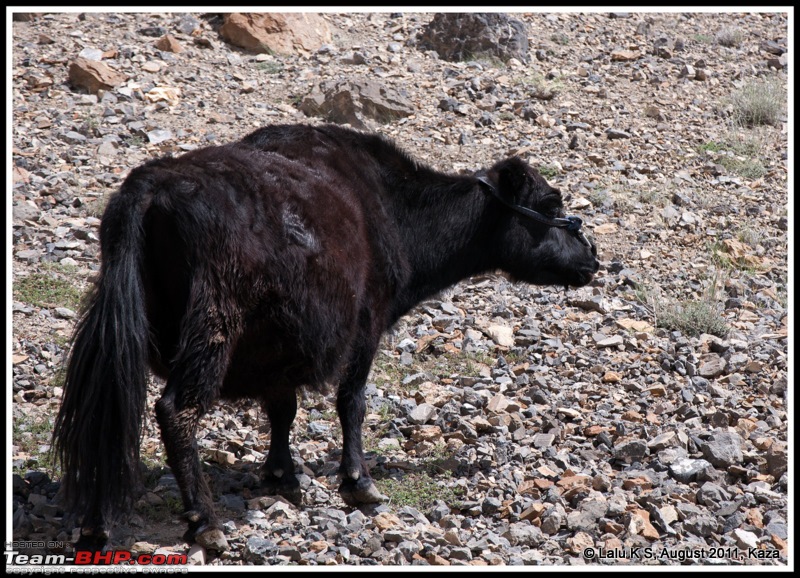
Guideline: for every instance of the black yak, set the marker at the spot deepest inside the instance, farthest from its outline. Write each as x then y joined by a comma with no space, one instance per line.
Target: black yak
273,263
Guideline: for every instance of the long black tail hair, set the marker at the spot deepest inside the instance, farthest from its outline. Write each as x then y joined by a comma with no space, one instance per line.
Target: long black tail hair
97,431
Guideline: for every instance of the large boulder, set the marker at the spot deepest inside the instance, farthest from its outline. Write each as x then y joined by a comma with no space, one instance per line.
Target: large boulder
280,33
354,101
458,37
92,75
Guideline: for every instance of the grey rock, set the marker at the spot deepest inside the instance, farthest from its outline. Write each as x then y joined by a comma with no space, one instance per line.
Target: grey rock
712,366
460,553
543,440
744,539
552,519
74,137
159,135
354,101
259,551
615,133
459,36
613,341
631,451
723,449
91,54
409,548
712,495
524,534
28,255
778,527
685,470
422,414
490,506
64,313
416,378
702,526
25,212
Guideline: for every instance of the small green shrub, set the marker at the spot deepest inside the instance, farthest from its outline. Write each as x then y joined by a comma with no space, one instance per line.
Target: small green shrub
418,490
33,436
694,318
747,168
739,154
548,171
47,290
759,102
730,36
134,140
270,67
538,87
710,146
689,316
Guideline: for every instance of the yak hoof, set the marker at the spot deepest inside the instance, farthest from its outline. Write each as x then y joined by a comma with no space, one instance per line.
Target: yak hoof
91,539
287,486
211,538
359,492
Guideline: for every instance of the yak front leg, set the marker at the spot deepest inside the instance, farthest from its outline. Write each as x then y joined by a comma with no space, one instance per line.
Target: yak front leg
357,487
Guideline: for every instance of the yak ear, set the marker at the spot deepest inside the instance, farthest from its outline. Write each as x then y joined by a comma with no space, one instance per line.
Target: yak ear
510,178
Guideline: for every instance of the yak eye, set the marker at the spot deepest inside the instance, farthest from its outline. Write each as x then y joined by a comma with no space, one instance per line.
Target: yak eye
552,210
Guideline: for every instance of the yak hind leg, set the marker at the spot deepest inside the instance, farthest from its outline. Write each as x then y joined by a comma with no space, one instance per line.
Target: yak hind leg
193,385
278,477
357,487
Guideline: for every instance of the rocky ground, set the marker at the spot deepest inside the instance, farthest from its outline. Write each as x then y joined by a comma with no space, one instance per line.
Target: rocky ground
508,424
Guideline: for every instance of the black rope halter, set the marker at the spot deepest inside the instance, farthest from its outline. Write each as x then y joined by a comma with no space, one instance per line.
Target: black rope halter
572,224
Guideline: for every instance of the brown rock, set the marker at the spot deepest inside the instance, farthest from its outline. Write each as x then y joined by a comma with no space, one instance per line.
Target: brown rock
169,43
625,55
631,415
781,544
318,546
427,433
282,33
533,512
637,482
385,521
641,520
93,75
755,518
612,527
593,430
777,459
571,482
498,403
436,560
579,542
527,486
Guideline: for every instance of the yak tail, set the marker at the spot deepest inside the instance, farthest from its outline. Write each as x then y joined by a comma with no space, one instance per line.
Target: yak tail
97,431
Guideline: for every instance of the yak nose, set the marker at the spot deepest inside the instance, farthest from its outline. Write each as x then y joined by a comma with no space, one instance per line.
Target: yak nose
594,254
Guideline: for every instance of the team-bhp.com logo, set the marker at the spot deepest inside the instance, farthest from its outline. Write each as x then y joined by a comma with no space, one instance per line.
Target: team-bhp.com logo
20,559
